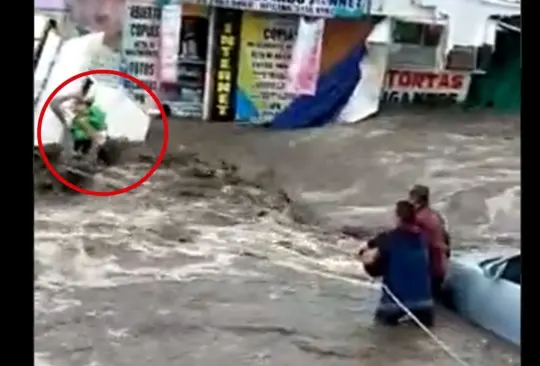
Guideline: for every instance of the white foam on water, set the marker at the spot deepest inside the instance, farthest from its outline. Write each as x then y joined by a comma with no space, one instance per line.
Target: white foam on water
377,133
504,212
133,227
129,248
67,264
40,359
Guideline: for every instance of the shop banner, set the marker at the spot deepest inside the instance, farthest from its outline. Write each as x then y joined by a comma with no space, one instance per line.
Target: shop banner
171,22
140,47
265,50
227,27
305,63
314,8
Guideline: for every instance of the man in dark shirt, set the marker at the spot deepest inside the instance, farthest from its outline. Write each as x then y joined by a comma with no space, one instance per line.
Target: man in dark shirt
400,257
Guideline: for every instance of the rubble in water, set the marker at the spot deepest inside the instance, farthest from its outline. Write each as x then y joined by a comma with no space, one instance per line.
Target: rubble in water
257,192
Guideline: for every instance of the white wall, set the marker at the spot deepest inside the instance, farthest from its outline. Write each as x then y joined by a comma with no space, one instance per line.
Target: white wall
124,117
466,20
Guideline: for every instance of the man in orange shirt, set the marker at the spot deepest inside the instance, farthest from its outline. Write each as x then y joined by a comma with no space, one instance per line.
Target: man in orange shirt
431,224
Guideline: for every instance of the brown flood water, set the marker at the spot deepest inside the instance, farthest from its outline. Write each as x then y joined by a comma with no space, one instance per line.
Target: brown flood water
210,263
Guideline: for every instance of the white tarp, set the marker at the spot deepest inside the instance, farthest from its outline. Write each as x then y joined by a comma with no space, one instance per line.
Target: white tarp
124,116
365,98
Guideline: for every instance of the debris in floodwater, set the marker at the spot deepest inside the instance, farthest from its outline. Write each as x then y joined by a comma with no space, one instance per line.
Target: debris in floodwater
192,178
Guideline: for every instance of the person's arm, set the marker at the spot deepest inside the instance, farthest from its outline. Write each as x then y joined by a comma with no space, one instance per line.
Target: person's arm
374,267
94,123
375,261
446,235
432,228
85,125
56,106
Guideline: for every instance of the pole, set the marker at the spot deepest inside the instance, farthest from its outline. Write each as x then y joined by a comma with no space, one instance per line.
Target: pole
209,65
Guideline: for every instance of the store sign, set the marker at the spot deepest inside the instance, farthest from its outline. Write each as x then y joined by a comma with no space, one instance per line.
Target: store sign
315,8
265,53
171,21
425,87
140,47
227,27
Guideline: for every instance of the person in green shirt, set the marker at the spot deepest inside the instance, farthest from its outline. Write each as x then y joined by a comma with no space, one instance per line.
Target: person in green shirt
88,128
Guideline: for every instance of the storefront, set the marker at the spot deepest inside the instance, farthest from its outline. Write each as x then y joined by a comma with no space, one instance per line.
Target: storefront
251,59
184,96
224,61
417,71
231,63
214,80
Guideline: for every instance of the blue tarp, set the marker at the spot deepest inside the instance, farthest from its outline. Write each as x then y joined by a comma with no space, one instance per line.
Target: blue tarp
333,91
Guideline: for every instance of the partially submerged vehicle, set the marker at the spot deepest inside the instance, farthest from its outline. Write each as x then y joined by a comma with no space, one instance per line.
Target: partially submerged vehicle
485,288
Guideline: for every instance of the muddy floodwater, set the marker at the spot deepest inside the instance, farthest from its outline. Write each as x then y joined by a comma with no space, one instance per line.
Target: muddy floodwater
228,254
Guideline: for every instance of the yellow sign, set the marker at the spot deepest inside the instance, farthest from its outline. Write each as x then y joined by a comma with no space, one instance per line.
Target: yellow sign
266,43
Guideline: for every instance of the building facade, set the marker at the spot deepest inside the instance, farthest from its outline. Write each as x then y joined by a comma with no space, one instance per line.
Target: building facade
227,60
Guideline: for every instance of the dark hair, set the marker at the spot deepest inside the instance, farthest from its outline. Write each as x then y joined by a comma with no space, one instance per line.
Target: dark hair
420,193
405,212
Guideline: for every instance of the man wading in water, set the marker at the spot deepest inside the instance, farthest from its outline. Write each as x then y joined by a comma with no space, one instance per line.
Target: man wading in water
400,257
432,225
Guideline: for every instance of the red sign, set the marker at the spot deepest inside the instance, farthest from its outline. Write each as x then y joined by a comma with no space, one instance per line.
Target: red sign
407,79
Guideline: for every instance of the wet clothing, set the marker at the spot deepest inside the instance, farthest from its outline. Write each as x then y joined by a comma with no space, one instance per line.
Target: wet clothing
403,263
430,223
95,118
436,286
426,317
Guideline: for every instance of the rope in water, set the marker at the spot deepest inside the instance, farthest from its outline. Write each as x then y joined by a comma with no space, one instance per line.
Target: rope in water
453,355
425,329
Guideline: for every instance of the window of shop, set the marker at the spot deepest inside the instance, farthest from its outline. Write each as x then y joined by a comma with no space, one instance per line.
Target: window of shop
462,58
185,98
415,45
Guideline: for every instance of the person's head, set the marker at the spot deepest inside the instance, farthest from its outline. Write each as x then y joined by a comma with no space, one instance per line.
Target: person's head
82,104
99,16
405,213
419,196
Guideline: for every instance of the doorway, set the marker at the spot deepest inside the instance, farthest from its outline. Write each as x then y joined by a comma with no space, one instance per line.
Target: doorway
185,97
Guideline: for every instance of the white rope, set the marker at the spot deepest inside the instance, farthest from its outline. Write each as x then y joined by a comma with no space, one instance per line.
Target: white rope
426,330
